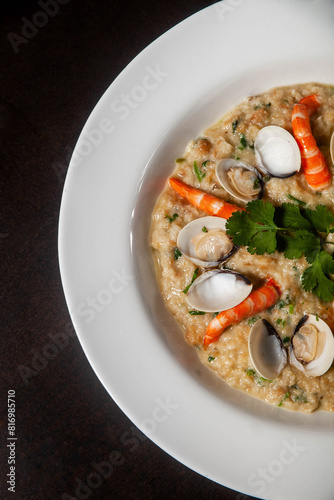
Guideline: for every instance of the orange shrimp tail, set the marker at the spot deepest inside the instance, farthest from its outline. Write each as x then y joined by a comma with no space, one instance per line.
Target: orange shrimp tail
257,301
204,201
312,101
315,168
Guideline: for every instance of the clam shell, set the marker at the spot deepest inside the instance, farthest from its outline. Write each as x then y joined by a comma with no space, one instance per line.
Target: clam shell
222,168
324,349
188,249
218,290
277,152
331,147
266,350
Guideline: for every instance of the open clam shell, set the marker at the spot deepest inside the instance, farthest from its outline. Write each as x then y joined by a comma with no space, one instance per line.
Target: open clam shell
218,290
241,180
204,241
266,350
312,346
277,152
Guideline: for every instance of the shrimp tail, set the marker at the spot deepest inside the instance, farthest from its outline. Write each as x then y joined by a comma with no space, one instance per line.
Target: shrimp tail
315,168
204,201
256,302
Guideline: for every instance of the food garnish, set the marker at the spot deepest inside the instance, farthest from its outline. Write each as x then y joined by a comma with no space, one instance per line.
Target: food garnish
177,253
171,219
195,274
295,232
199,173
286,396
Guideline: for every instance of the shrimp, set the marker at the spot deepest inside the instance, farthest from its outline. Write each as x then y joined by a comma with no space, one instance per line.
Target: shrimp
256,302
206,202
317,173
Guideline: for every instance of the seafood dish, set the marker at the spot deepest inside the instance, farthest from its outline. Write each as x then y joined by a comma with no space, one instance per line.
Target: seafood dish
243,241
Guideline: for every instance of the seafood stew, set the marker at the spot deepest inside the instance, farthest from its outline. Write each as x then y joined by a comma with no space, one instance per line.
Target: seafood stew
243,238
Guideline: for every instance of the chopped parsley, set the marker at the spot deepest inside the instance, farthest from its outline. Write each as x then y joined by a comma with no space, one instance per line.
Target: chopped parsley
281,304
204,229
171,219
199,174
281,322
257,378
211,358
196,313
177,253
286,340
243,142
192,280
285,397
302,203
293,230
252,321
234,125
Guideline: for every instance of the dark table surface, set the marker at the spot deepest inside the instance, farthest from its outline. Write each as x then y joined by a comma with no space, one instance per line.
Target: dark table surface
54,69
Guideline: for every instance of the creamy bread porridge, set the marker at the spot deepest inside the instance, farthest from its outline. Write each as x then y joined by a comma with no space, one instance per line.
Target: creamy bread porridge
297,297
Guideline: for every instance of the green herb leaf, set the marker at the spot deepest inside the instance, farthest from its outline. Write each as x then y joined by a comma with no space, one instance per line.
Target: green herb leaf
252,321
234,125
196,313
177,253
171,219
321,218
199,174
243,141
302,203
290,217
204,229
286,395
211,358
301,242
255,228
195,274
293,230
281,322
315,278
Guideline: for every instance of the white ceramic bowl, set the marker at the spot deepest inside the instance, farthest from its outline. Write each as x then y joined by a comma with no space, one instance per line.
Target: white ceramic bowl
175,88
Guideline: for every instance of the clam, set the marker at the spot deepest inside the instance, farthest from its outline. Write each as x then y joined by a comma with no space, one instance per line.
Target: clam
331,147
204,241
277,152
218,290
312,346
266,350
242,181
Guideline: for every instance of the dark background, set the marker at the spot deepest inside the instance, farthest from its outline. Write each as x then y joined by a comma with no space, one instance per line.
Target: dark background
66,424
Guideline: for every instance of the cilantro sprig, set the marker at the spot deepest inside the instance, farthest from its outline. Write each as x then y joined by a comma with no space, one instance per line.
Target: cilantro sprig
293,230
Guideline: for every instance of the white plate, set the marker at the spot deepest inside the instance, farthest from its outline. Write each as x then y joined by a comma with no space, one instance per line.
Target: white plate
175,88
